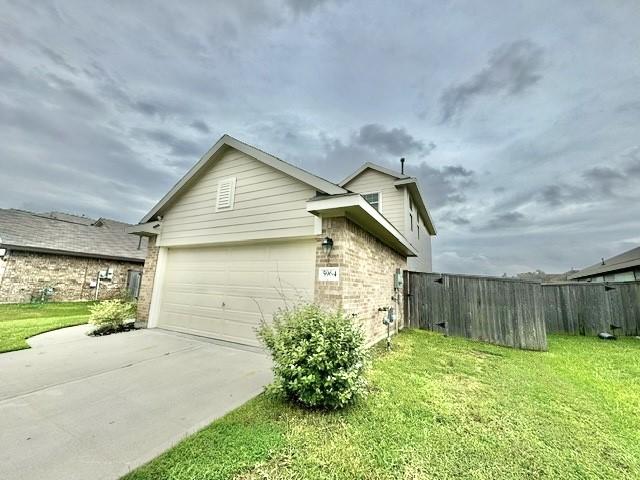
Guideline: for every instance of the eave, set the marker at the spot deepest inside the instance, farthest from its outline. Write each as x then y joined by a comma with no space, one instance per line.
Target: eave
358,210
416,193
67,253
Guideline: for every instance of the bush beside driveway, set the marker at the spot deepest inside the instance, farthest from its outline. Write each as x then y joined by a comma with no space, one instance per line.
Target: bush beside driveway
21,321
442,408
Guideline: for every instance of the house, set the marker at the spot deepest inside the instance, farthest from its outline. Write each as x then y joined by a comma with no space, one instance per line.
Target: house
244,233
621,268
65,257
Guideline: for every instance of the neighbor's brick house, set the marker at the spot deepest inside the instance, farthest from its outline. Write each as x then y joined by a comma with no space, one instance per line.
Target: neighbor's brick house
65,254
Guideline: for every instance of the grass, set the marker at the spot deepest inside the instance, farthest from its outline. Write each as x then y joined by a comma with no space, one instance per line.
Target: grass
21,321
441,408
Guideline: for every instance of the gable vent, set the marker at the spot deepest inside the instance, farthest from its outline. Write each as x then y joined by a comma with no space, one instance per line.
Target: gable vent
226,194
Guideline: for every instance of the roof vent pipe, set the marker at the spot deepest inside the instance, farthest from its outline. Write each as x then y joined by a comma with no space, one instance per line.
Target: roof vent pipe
402,165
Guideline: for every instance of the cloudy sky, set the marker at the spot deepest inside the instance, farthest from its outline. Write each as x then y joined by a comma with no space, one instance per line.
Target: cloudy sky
521,119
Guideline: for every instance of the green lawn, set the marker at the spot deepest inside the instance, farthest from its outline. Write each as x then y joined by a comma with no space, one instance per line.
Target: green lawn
21,321
442,408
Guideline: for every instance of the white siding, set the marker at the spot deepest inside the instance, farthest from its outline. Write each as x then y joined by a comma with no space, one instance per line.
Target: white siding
268,204
392,202
395,207
421,263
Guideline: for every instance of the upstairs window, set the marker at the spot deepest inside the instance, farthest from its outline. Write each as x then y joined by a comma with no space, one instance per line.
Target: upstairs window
226,194
373,199
418,229
410,204
411,221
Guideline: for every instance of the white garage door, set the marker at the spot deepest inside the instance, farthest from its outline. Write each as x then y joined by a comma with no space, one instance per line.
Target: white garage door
224,292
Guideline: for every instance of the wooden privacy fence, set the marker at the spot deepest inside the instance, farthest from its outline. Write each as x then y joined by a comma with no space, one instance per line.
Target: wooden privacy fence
581,308
519,313
497,310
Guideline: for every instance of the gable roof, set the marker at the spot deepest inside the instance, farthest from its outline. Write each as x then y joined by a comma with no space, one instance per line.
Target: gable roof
373,166
214,153
626,260
65,234
401,180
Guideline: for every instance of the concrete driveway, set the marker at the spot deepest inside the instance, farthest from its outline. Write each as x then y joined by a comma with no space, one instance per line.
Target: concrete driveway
78,407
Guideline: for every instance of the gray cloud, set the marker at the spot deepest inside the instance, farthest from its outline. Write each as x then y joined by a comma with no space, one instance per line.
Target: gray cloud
444,186
177,146
604,179
200,126
301,7
505,220
456,220
511,69
394,141
556,195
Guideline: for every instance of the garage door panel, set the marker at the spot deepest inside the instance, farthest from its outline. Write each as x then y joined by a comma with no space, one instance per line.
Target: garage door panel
224,292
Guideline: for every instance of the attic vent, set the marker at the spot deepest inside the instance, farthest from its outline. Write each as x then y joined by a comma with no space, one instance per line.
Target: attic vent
226,194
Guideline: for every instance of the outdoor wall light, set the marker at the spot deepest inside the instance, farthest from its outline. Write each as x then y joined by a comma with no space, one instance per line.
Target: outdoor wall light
327,245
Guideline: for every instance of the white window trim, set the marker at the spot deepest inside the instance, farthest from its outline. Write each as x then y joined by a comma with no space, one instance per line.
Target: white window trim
379,198
232,195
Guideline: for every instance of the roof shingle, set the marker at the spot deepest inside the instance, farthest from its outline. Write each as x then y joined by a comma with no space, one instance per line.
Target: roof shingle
71,234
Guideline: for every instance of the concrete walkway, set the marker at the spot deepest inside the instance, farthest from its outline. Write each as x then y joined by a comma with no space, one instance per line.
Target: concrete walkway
78,407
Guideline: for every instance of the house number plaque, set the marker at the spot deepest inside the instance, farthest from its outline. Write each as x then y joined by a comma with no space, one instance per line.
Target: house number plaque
329,274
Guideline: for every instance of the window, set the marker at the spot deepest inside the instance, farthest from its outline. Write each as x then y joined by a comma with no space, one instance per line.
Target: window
373,199
226,194
418,229
410,204
411,221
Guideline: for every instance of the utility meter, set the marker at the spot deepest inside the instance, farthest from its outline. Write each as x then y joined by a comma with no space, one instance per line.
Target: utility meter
398,281
390,317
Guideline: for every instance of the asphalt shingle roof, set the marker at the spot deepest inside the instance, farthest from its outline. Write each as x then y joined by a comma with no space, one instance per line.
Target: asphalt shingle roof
628,259
72,234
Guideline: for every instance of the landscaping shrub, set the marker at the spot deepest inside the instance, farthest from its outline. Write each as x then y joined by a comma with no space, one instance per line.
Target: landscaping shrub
110,315
319,356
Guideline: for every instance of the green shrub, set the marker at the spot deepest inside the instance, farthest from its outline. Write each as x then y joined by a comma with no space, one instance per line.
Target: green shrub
110,315
319,356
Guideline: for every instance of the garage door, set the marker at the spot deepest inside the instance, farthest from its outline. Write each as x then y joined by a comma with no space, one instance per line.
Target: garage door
224,292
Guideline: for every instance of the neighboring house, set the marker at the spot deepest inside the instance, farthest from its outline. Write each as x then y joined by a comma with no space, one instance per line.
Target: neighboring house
621,268
66,257
244,233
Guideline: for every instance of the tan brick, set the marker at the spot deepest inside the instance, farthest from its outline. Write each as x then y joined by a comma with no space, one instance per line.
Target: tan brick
146,286
366,282
24,274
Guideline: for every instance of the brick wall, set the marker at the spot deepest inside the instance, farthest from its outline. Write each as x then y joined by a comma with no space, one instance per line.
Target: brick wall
366,281
24,274
146,286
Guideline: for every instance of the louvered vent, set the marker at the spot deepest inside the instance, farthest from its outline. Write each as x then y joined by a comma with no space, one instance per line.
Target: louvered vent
226,194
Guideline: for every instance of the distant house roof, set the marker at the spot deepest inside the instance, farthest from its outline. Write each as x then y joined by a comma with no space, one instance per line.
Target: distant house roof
624,261
63,233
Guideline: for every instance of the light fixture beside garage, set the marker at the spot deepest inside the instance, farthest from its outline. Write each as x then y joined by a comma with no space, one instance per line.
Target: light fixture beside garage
327,245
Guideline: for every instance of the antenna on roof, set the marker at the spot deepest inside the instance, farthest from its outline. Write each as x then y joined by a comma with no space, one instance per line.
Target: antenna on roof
402,165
